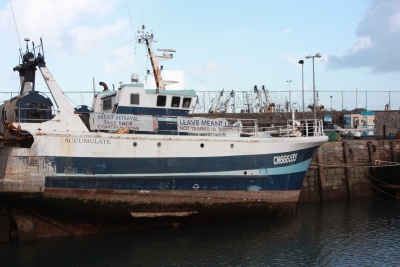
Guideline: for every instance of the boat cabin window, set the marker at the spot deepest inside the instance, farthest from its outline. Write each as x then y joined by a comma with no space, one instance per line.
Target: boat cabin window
161,100
134,99
186,102
176,101
107,103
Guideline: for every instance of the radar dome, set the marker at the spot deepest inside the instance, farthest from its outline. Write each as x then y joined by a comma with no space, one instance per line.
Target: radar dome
134,77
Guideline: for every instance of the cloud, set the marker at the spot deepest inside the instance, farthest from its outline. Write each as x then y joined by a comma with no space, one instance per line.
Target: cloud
50,19
394,23
362,43
209,67
286,31
293,60
378,40
121,58
175,75
168,75
88,38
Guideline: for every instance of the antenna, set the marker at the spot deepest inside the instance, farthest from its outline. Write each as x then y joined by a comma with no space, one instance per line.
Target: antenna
166,50
41,43
27,40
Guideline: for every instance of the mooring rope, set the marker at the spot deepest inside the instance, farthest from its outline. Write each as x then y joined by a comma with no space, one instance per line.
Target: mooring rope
374,185
362,166
357,173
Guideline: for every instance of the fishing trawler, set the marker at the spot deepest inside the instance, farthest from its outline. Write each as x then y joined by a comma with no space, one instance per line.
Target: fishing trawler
137,159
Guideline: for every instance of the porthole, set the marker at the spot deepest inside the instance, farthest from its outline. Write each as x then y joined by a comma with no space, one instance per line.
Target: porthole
134,144
158,144
201,145
232,145
245,173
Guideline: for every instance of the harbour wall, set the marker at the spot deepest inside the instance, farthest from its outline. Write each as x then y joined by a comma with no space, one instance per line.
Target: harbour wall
341,170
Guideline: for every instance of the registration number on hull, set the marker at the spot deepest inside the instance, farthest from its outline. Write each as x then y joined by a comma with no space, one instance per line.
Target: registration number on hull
285,159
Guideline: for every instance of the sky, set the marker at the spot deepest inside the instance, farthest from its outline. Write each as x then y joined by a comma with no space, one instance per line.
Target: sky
221,44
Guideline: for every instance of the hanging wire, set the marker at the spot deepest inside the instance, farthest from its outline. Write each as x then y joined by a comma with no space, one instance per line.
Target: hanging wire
71,100
122,45
15,23
132,24
133,29
377,188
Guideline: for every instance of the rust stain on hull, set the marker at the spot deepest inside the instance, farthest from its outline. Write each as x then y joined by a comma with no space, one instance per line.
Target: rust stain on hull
162,214
173,197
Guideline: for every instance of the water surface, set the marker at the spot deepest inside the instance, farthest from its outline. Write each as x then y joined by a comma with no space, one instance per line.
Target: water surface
362,232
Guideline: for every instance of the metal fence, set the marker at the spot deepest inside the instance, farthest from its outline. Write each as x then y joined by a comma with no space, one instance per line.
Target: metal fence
260,101
254,102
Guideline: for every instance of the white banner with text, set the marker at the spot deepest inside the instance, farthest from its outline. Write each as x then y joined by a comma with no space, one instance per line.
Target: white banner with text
114,122
205,125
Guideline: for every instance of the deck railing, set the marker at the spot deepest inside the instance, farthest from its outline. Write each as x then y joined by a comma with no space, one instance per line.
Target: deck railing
231,126
307,127
33,115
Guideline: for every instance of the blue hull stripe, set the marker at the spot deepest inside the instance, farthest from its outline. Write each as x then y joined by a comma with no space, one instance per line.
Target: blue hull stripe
185,165
291,181
299,167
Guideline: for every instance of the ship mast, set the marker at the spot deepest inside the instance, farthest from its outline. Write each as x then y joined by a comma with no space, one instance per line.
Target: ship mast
147,39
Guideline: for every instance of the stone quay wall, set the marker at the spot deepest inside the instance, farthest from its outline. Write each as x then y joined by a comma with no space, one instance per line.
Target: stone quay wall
391,119
341,170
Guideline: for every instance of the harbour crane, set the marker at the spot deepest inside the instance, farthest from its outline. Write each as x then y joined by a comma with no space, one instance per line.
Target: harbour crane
224,107
195,104
259,98
214,107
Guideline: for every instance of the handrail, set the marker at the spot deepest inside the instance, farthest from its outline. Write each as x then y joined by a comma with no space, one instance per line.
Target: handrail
17,117
250,128
306,127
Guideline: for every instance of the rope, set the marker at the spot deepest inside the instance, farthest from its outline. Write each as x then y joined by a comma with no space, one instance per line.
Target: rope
391,202
352,166
349,166
357,173
71,100
374,185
